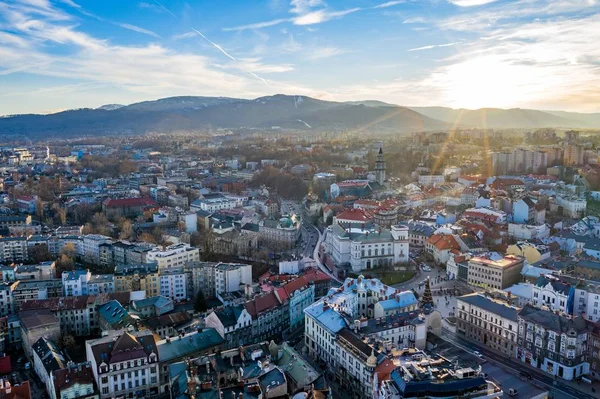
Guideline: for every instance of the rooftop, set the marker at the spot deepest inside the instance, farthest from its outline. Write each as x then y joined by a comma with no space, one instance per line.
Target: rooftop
491,305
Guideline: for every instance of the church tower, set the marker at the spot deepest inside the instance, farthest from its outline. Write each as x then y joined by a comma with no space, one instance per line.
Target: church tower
380,168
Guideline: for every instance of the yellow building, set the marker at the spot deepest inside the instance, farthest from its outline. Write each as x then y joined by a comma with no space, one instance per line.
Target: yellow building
531,252
142,277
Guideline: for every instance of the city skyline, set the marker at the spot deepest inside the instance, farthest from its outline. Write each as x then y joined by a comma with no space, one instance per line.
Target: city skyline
57,55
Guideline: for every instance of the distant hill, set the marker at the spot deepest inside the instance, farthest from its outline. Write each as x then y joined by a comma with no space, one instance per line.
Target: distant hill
497,118
196,113
301,113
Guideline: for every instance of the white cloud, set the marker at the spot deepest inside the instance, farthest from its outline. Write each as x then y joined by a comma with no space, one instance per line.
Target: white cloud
325,52
432,46
415,20
304,12
139,30
320,16
470,3
390,4
258,25
186,35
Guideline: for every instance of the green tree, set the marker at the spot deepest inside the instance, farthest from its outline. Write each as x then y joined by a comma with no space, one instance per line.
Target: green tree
200,305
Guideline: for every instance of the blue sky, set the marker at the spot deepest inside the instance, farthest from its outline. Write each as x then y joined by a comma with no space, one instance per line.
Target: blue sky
63,54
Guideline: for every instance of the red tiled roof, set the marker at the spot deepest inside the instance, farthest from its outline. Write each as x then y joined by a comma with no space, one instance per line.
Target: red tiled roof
443,242
356,215
122,202
262,304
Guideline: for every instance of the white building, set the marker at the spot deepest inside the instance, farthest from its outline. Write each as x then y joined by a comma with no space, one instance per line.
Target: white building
229,277
174,255
124,364
528,232
554,294
213,204
431,180
173,283
367,247
90,247
573,207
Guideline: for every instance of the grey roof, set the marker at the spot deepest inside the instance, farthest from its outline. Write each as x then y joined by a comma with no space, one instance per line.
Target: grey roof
553,321
51,357
557,285
483,302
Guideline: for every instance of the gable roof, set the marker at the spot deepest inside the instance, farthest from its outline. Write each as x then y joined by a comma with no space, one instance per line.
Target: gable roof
443,242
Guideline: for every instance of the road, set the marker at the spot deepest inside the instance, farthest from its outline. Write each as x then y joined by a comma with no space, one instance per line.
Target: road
559,387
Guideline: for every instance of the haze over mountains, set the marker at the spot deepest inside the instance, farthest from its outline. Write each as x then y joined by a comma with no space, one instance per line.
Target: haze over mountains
194,113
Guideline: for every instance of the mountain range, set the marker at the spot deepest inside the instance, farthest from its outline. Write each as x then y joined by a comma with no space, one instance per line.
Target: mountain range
194,113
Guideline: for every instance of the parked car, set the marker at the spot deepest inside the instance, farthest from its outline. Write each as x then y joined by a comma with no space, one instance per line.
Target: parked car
478,354
512,392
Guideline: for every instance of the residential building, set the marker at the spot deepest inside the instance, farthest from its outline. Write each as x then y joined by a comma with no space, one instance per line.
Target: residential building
172,283
593,351
418,233
140,277
125,364
75,381
298,294
35,289
573,155
440,246
431,180
269,317
36,324
113,316
489,321
338,327
552,342
47,358
233,323
573,207
493,270
527,231
213,204
77,315
154,306
41,271
13,250
229,277
530,251
169,325
523,211
174,255
90,247
551,292
127,207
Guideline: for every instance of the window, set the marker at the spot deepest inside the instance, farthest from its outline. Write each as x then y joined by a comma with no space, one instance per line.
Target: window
104,390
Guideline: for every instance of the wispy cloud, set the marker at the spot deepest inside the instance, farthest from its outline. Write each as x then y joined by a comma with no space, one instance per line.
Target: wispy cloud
432,46
304,12
186,35
320,16
415,20
470,3
389,4
325,52
139,30
258,25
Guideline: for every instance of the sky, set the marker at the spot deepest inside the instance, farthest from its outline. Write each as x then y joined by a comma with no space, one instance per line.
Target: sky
65,54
